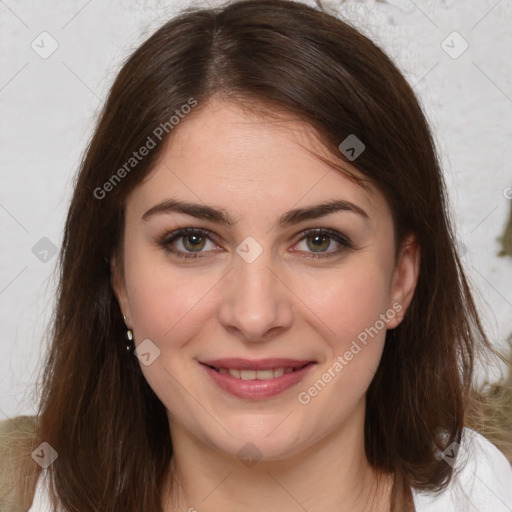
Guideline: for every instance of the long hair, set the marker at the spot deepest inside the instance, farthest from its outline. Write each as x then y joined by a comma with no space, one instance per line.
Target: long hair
97,411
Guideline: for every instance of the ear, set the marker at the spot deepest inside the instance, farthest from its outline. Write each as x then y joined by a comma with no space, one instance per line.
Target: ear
405,278
119,287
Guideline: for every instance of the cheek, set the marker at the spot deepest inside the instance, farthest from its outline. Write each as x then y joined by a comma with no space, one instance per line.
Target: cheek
164,299
348,302
167,310
170,308
348,312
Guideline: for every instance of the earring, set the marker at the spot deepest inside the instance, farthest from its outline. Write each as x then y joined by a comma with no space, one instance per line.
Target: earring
129,344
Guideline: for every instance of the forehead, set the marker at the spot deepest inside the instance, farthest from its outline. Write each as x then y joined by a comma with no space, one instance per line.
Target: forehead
226,156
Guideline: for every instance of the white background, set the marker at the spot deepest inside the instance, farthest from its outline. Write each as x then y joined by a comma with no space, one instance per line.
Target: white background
48,108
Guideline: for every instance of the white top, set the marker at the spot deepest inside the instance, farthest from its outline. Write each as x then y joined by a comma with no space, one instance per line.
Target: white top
483,485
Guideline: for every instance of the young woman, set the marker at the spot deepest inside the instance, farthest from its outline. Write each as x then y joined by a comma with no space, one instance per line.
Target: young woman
260,303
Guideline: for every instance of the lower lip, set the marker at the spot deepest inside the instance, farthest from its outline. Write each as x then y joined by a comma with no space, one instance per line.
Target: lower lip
257,389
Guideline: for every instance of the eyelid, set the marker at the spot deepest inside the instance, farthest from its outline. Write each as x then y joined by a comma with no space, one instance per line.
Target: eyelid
169,237
332,233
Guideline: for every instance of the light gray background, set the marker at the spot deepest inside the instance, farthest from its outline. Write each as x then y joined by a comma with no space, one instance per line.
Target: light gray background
48,107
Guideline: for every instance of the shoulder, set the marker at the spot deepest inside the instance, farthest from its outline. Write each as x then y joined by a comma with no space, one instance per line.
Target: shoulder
18,477
481,481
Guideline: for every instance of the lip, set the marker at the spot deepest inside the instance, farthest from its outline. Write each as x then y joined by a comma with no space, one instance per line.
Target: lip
257,389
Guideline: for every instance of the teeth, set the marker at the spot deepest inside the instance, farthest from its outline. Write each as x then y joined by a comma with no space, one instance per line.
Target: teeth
266,374
278,372
247,374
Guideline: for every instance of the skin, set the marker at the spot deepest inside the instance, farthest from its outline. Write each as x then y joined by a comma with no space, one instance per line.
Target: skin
283,304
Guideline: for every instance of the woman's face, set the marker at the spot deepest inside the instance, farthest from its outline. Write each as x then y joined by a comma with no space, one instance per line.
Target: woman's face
257,296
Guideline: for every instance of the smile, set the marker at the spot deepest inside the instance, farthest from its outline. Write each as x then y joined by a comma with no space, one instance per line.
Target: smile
267,374
256,380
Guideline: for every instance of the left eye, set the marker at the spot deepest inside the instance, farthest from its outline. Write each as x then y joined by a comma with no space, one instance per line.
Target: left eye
321,239
193,241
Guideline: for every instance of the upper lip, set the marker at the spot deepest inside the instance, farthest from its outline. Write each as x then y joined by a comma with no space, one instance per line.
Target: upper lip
256,364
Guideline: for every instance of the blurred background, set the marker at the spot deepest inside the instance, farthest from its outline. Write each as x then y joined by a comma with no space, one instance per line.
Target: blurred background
58,60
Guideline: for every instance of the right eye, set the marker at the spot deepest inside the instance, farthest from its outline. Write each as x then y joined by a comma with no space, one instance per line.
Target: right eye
191,240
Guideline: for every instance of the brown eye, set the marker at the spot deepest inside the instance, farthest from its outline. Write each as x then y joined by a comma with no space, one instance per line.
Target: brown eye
318,242
193,242
188,243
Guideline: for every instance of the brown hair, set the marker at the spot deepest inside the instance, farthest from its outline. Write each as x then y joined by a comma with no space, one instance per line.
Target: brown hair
97,410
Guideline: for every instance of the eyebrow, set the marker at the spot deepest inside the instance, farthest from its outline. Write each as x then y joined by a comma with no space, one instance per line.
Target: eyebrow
220,216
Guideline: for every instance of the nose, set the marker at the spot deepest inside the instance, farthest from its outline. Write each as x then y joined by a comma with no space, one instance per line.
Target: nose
256,304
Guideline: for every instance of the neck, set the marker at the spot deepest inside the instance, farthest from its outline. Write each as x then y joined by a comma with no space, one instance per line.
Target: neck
332,474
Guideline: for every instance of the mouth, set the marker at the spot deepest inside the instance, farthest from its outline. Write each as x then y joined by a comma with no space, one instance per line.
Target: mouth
264,374
250,379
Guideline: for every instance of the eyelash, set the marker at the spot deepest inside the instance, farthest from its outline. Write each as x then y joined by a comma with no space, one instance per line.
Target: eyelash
166,240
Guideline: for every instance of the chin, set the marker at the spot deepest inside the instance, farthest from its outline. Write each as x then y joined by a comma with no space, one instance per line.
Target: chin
257,439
